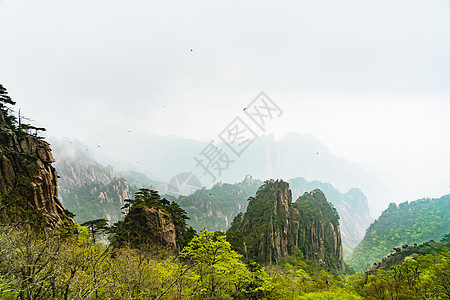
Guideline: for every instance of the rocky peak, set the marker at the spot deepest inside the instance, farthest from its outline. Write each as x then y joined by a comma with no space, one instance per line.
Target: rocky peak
273,227
249,180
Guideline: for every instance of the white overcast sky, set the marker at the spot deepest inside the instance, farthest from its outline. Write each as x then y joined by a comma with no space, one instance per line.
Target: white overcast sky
370,79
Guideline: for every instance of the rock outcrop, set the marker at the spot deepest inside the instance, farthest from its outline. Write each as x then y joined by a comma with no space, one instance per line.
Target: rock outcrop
151,226
27,178
273,227
152,223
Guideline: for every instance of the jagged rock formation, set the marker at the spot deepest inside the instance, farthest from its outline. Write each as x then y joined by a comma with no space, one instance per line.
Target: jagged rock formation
27,178
88,189
352,207
273,227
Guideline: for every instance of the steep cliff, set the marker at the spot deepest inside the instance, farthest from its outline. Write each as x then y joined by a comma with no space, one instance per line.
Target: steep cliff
273,227
27,179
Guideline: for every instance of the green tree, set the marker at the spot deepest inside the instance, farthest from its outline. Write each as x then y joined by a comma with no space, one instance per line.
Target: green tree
216,264
5,111
96,226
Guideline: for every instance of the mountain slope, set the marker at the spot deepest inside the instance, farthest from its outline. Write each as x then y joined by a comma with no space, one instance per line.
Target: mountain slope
408,223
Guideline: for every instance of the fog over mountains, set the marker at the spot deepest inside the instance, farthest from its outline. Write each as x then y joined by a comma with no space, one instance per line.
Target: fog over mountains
163,157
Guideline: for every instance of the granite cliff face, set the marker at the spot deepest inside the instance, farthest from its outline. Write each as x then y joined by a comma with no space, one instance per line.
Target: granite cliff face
273,227
27,178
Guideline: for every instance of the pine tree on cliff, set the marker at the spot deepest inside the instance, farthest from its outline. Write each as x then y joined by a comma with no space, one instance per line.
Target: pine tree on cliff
11,121
6,100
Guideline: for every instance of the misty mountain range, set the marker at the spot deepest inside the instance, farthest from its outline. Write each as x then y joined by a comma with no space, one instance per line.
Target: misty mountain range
163,157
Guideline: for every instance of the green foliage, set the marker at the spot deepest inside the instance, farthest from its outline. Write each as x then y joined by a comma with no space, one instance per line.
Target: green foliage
51,265
407,223
97,226
420,277
330,295
4,98
66,264
220,274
